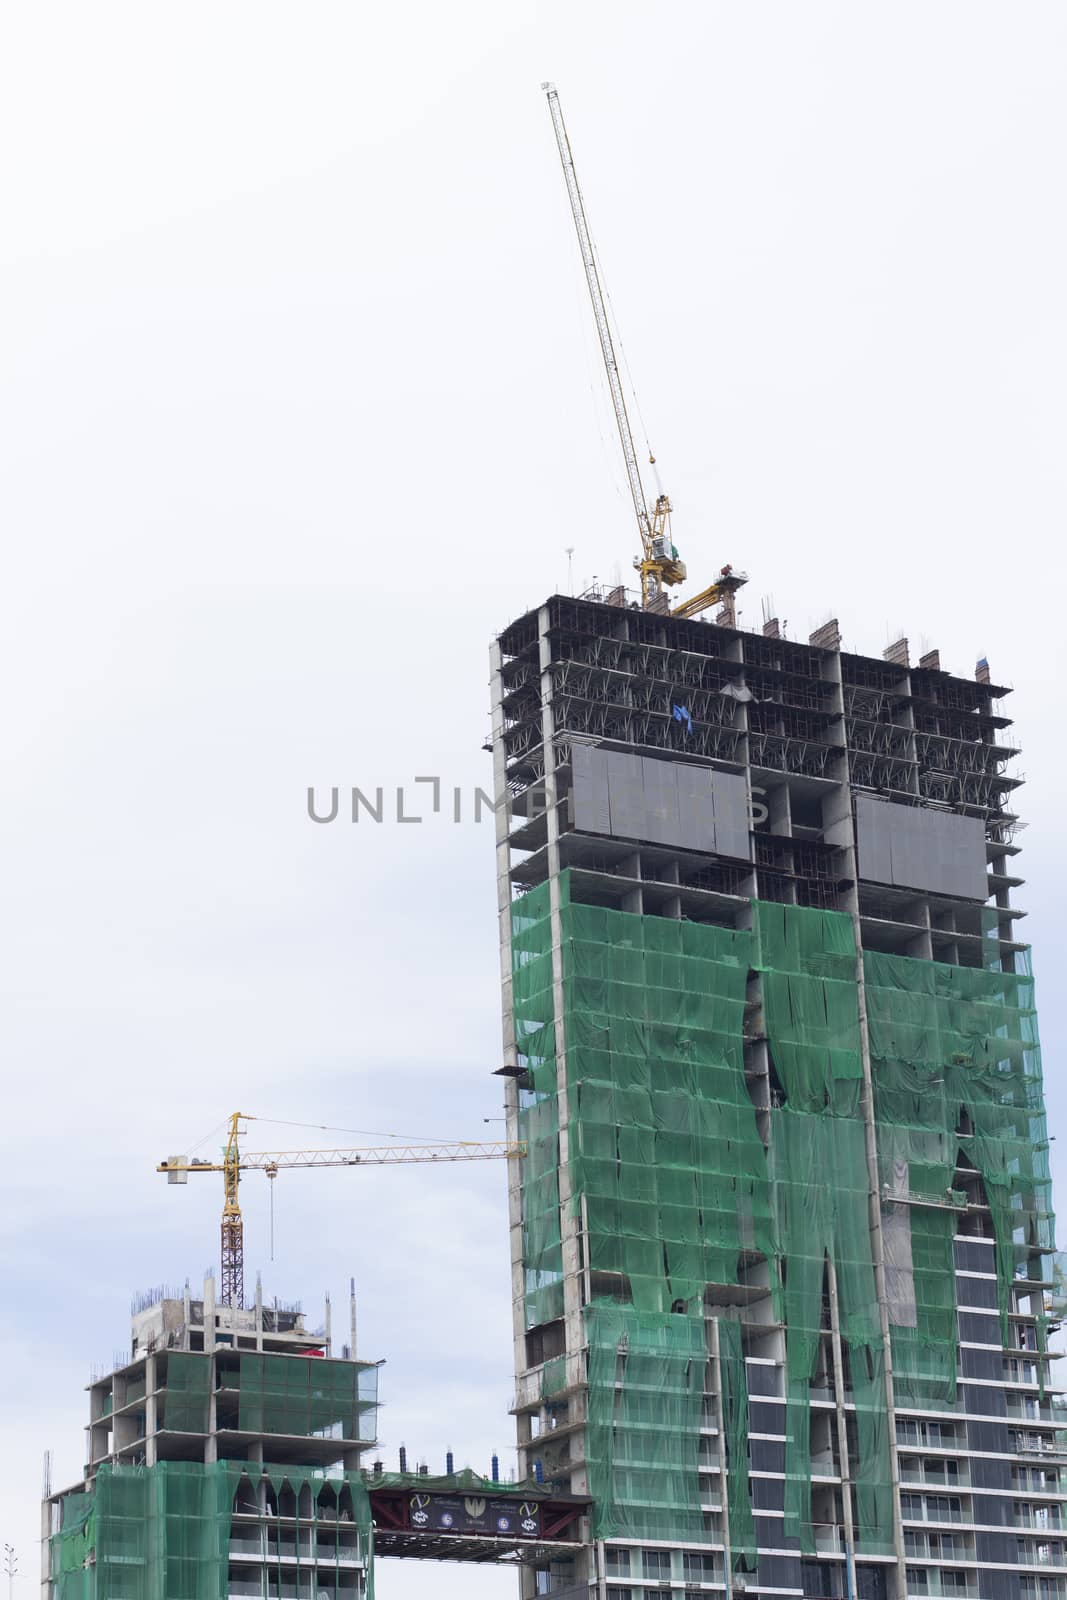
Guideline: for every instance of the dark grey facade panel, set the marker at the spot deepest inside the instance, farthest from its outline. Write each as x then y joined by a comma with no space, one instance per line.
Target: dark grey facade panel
660,783
672,803
589,794
872,839
913,847
696,807
626,795
731,815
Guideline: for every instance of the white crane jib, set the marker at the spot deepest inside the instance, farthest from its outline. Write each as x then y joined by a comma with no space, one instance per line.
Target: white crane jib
658,564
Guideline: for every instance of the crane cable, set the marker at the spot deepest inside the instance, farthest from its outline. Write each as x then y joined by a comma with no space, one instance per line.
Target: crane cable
367,1133
329,1127
620,346
616,334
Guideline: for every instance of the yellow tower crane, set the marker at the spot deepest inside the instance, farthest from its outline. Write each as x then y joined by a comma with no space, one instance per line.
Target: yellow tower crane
235,1162
659,563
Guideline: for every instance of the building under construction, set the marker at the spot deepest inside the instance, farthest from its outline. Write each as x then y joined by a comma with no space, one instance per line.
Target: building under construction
780,1212
225,1458
782,1243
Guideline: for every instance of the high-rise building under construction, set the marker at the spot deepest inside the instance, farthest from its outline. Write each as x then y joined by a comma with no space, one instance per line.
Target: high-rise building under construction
782,1242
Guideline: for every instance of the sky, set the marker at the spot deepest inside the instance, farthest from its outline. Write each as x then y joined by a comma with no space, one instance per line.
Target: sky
299,406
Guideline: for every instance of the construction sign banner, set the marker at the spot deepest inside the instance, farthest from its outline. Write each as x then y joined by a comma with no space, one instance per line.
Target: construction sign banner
475,1514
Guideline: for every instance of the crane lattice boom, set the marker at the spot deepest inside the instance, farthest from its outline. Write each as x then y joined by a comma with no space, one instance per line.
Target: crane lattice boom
659,563
235,1161
386,1155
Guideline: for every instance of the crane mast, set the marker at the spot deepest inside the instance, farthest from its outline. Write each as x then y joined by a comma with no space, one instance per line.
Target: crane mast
659,563
232,1285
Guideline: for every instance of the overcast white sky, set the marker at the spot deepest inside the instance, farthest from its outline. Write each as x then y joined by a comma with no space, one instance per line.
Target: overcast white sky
299,407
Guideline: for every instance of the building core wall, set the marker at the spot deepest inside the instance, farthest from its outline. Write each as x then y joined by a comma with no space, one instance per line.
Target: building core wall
782,1242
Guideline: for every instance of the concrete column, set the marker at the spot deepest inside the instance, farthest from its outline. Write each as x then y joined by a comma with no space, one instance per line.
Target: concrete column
571,1248
46,1550
209,1313
502,824
842,1428
840,830
720,1424
211,1443
151,1409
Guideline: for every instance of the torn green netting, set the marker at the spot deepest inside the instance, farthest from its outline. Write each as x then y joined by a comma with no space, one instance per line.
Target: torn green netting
674,1188
666,1165
665,1154
73,1548
956,1066
820,1183
808,962
164,1532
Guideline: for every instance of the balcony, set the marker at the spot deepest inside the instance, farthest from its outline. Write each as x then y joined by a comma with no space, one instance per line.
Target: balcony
1042,1555
1027,1410
923,1547
246,1548
931,1583
1051,1445
910,1474
928,1513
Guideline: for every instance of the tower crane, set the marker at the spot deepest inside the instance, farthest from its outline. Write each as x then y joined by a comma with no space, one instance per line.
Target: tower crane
235,1162
659,563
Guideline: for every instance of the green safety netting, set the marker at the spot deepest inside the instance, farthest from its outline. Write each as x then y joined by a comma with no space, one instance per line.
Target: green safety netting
808,962
535,1037
663,1142
664,1157
666,1168
188,1392
553,1377
73,1545
309,1398
168,1532
956,1067
646,1396
466,1480
820,1184
735,1428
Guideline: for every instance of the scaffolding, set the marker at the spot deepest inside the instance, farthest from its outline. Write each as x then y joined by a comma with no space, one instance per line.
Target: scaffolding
687,1193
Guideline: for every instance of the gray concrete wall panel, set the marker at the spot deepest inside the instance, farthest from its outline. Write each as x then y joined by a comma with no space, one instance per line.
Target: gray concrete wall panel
696,808
660,783
590,808
672,803
731,815
626,795
913,847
